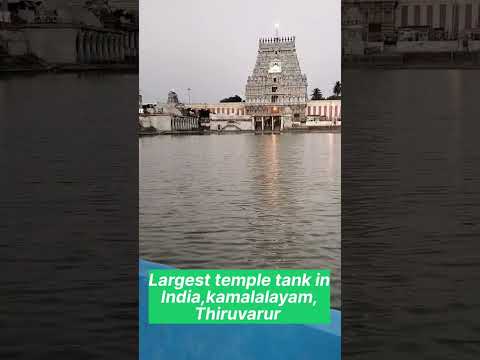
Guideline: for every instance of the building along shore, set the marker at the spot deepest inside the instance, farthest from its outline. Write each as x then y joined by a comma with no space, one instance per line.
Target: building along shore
276,100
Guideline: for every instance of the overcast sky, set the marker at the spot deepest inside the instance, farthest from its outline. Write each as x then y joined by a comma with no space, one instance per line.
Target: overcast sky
211,46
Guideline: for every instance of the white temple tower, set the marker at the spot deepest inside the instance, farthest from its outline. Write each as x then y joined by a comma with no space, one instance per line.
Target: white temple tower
276,92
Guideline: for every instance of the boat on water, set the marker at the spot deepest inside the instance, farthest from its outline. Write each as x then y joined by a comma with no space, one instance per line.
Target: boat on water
233,342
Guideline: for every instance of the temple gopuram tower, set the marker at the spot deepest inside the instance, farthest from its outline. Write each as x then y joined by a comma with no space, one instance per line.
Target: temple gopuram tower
276,92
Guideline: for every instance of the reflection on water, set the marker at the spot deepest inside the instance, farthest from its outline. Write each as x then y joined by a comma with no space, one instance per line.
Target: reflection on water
242,201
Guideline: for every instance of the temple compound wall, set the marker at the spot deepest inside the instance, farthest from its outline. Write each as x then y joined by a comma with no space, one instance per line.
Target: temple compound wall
72,43
69,44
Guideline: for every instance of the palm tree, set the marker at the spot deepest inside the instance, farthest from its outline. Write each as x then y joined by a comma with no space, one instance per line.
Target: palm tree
317,94
337,89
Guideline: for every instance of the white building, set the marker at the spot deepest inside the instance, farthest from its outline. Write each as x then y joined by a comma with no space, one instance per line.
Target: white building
233,116
403,26
276,97
325,112
455,17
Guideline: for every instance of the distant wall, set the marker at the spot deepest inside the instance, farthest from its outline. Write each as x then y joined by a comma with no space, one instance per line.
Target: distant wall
54,45
409,19
14,42
5,16
314,122
352,41
232,109
331,109
228,111
287,122
160,122
238,123
436,46
427,46
75,44
185,123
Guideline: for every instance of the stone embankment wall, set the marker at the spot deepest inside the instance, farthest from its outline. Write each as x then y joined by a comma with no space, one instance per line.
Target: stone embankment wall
436,46
161,122
235,123
165,123
14,42
72,44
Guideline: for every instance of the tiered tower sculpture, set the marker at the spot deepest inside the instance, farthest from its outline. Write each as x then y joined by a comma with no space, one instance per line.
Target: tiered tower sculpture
276,92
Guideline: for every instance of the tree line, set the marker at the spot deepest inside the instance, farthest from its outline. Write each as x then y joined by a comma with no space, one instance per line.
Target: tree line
316,95
337,91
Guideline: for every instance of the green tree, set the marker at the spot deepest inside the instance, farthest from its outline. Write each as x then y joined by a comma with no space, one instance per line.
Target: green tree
231,99
337,89
317,94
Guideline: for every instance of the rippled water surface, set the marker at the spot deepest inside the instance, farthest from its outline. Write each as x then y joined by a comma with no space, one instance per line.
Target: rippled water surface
411,214
242,201
68,210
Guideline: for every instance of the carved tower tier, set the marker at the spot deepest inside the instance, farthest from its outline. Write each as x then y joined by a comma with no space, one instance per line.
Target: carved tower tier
276,92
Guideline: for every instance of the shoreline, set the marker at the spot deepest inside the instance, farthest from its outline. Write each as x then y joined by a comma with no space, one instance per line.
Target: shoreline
325,129
386,66
414,60
40,69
